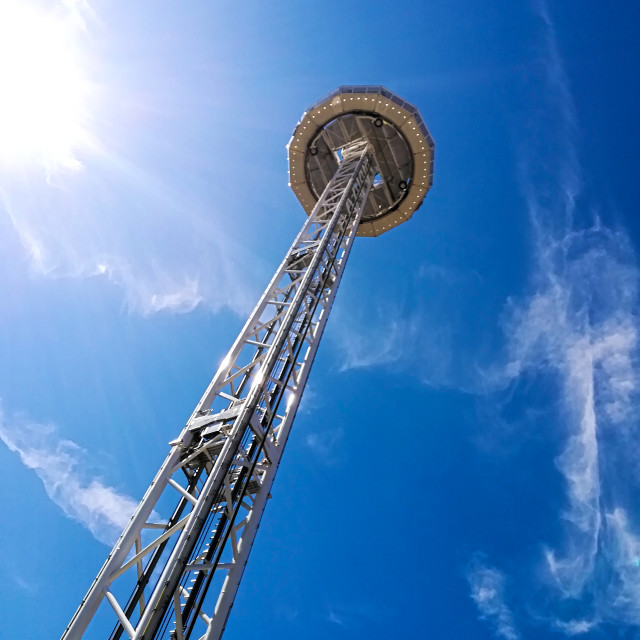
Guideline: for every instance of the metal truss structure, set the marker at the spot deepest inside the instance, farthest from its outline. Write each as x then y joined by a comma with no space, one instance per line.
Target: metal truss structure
360,163
178,578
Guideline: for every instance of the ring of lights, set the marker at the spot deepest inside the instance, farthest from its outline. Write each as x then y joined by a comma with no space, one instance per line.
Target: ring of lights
403,150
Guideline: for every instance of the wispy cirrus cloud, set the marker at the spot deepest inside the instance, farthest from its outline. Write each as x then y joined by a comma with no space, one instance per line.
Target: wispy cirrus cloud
160,247
421,333
61,466
352,616
93,212
487,590
580,325
364,345
574,627
325,444
157,292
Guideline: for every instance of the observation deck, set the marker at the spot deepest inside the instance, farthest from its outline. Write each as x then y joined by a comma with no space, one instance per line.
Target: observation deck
403,152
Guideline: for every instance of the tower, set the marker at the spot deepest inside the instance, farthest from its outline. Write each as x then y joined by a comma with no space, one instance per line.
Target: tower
360,162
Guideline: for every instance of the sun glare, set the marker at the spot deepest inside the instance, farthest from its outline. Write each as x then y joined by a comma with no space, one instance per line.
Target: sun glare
41,88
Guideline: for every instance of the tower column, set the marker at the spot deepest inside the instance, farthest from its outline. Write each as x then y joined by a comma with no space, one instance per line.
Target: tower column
360,162
183,575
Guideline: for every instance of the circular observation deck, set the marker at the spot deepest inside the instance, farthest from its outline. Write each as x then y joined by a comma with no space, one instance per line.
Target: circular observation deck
403,151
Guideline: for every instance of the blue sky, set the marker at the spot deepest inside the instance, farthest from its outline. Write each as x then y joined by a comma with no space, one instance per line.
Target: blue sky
464,464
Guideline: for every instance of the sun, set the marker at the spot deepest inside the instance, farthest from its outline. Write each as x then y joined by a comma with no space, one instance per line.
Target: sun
42,90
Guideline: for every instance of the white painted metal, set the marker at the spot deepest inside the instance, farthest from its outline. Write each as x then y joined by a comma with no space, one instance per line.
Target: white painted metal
183,574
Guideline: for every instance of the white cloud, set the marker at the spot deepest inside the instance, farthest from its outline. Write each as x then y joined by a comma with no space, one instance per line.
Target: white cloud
28,586
155,233
335,618
420,333
367,344
353,615
181,260
310,400
581,326
622,552
325,444
574,627
181,300
59,463
487,590
161,291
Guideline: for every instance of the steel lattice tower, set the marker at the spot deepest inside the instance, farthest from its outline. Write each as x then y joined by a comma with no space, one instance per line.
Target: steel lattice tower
360,162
